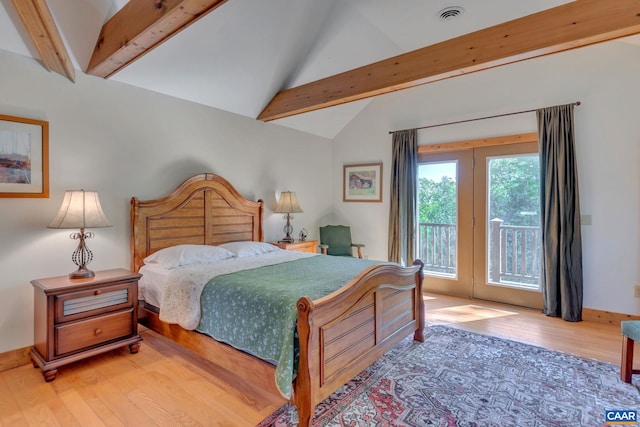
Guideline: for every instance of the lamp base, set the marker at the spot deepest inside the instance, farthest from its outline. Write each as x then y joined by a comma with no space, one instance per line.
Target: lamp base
82,273
288,229
82,256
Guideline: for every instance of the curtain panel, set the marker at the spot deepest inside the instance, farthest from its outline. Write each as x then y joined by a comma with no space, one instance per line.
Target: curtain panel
403,197
561,263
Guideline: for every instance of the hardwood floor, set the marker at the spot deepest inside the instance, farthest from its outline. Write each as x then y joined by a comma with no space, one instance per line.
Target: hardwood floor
586,339
166,385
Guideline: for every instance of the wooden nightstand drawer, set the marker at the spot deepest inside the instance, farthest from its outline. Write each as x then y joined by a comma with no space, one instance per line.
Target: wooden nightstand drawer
80,305
71,337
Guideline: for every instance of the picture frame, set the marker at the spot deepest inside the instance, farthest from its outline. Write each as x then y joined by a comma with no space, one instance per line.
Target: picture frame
24,157
362,182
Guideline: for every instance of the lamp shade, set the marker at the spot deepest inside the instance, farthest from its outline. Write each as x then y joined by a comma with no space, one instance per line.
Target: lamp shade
288,203
80,209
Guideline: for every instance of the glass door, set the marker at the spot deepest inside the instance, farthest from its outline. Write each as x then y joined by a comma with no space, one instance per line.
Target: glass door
445,221
507,239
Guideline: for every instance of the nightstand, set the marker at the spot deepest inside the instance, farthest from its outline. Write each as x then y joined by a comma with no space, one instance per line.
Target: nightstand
298,245
79,318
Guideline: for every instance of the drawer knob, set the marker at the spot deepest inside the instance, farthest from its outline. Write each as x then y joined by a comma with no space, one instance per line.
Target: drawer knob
98,292
97,332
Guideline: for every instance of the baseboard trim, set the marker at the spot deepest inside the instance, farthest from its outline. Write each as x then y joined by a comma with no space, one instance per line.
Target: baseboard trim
607,317
14,358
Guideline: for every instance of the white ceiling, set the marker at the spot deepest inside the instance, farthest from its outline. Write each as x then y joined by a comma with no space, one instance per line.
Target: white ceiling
240,55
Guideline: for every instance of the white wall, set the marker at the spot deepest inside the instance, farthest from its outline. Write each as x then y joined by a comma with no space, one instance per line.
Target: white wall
603,77
124,142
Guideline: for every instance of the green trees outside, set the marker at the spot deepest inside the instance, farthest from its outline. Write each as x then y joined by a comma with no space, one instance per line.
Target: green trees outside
515,190
437,201
514,194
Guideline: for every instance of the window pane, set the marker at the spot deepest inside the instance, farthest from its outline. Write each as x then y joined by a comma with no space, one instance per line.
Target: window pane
437,217
513,231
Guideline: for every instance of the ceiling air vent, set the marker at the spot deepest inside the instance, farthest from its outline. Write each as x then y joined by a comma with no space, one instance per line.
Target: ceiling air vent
449,13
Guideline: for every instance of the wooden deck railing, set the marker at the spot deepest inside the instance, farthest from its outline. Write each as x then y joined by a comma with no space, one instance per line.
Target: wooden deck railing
437,247
514,251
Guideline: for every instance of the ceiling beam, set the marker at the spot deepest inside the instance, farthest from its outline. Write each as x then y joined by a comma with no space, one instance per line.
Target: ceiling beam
139,27
576,24
42,30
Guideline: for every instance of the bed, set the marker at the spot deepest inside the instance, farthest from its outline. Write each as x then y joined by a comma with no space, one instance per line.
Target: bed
338,335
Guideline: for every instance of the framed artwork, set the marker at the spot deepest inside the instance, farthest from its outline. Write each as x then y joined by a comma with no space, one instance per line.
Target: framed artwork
24,157
362,183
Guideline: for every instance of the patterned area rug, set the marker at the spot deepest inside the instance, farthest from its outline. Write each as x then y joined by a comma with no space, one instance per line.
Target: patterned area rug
458,378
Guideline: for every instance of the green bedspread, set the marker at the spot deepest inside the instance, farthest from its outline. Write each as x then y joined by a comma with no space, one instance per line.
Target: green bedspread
255,310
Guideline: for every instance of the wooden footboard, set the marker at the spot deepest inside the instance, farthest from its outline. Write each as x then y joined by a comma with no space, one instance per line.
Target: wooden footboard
343,333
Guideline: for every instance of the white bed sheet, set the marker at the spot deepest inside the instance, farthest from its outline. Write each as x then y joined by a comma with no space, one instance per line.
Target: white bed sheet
153,283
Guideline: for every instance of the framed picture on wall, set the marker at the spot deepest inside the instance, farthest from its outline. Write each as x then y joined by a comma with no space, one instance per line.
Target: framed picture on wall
362,183
24,157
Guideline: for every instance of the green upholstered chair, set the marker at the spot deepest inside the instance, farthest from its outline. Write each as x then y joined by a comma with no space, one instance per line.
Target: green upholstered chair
336,240
630,334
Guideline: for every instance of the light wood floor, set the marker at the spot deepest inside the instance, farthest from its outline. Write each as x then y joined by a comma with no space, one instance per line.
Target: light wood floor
165,385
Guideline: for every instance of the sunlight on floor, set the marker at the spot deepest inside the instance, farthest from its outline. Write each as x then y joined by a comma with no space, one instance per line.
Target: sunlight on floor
463,313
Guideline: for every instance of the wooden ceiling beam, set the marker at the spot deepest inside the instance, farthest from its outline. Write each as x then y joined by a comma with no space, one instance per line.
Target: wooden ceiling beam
42,30
139,27
576,24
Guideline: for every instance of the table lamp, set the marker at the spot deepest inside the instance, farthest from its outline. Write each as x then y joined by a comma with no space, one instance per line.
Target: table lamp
80,209
288,204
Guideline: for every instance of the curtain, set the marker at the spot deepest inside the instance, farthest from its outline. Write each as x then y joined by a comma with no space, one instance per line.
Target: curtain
561,263
403,199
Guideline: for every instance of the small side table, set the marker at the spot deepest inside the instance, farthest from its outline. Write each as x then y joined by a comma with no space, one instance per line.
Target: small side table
298,245
78,318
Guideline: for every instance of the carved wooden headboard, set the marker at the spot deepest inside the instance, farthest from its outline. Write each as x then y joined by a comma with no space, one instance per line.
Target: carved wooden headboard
204,210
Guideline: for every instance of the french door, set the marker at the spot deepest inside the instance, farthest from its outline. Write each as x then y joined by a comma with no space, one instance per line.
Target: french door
506,233
479,231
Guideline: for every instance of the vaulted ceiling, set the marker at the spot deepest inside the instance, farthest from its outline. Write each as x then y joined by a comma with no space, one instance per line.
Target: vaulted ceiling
309,65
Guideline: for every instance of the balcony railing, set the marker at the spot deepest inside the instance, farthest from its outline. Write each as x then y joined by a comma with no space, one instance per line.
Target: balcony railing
513,252
437,247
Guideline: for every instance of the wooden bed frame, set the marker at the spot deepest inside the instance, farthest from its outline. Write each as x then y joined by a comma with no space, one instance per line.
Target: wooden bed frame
340,334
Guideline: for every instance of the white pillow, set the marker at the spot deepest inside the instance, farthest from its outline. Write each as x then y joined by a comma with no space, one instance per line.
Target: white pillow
175,256
248,248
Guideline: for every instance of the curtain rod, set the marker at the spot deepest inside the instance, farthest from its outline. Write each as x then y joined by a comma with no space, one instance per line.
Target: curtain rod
478,118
